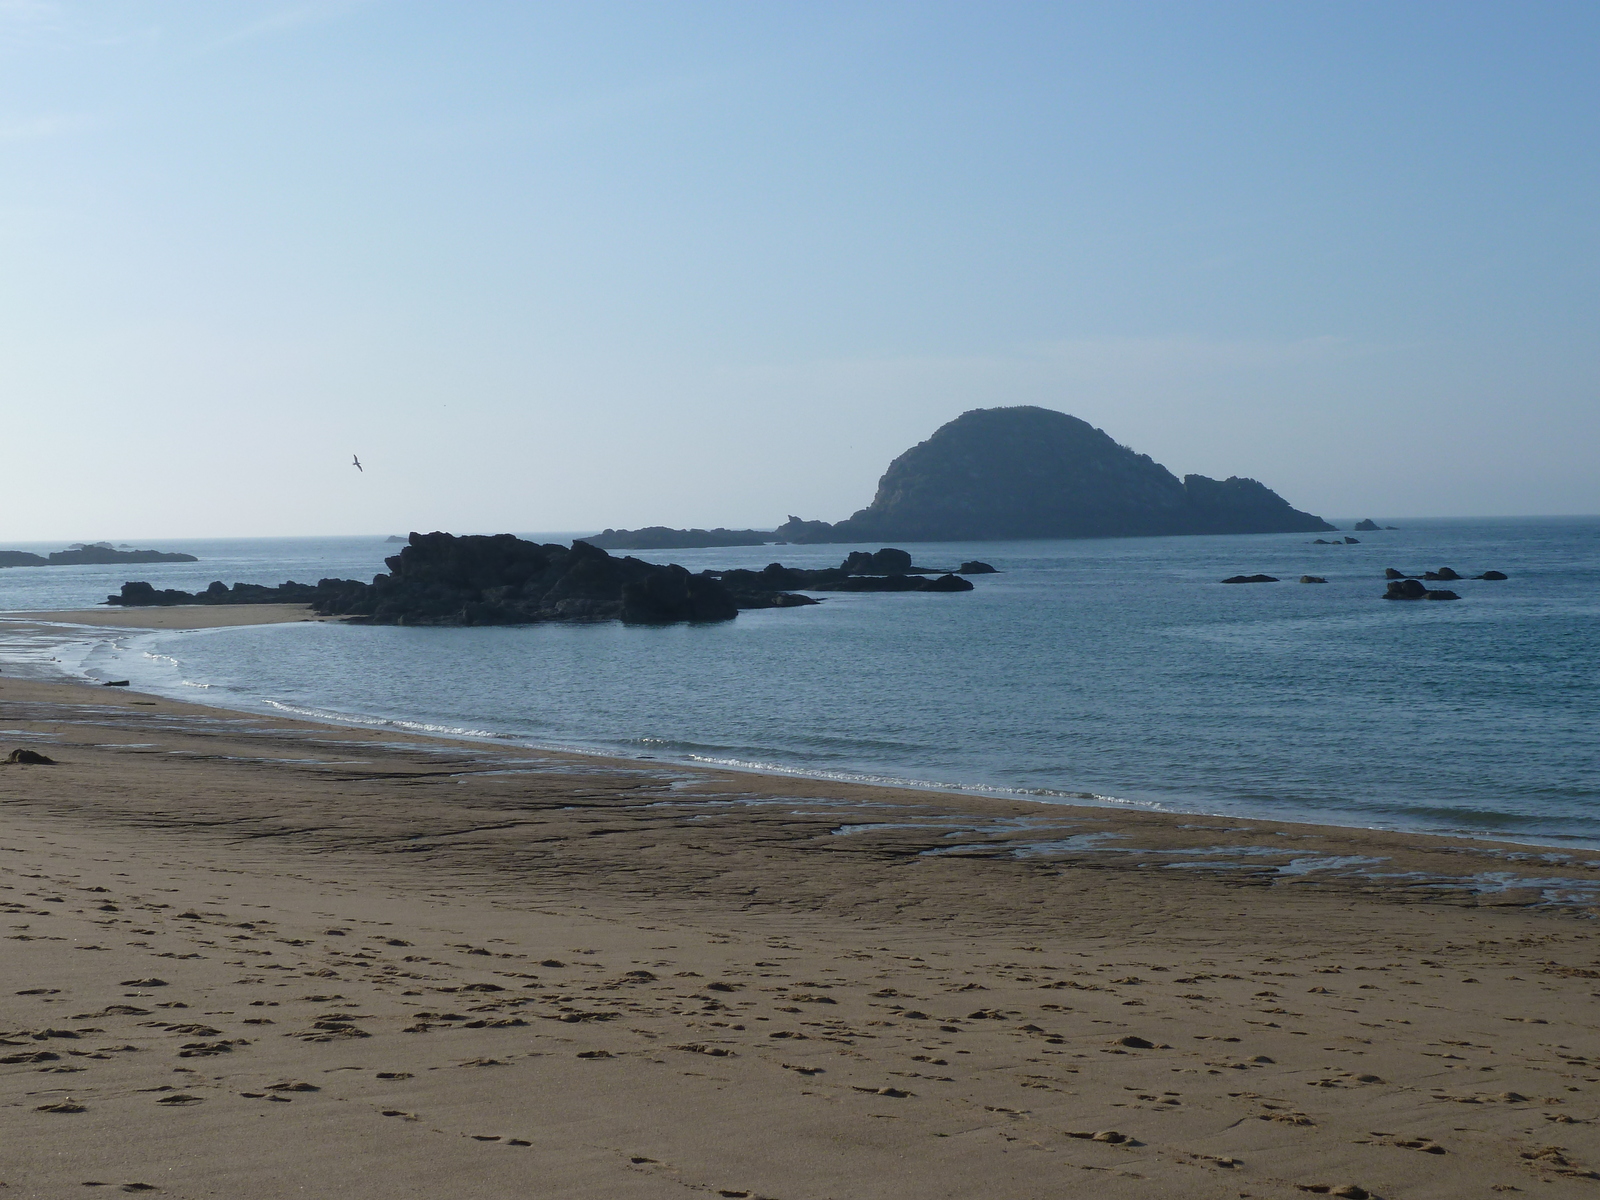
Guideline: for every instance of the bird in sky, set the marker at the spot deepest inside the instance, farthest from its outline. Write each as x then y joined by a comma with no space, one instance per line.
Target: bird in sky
356,463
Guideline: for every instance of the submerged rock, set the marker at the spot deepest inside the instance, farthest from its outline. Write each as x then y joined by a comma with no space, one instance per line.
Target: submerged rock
1251,579
1312,579
1411,589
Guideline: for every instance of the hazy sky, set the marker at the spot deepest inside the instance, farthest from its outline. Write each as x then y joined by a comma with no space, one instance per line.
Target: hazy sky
562,266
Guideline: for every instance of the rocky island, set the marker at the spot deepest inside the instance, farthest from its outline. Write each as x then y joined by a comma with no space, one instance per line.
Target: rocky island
91,554
441,579
999,474
659,537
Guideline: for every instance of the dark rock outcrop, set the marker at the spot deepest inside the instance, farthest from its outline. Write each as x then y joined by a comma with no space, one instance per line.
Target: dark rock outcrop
141,594
1312,579
29,758
1028,472
1367,526
887,561
1491,575
659,537
976,568
439,579
1350,541
1251,579
21,558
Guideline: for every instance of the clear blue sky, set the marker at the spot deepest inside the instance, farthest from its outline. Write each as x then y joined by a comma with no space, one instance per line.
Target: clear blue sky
562,266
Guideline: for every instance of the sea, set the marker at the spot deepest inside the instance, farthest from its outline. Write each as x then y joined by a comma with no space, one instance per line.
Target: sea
1115,672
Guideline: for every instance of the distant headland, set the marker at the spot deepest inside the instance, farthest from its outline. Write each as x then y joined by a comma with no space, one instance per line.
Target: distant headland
1004,474
90,554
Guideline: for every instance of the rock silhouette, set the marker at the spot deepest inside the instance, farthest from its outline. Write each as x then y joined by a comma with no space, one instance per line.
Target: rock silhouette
1029,472
996,474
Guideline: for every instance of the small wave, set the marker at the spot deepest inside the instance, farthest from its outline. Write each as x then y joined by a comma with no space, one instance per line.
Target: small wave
981,789
317,714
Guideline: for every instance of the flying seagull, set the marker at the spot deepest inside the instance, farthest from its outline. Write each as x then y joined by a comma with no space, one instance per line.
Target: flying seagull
356,463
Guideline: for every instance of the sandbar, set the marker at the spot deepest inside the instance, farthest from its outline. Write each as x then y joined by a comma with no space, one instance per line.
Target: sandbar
178,616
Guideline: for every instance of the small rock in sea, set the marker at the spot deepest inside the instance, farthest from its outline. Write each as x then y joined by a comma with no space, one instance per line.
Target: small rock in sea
1366,526
1251,579
1441,594
30,757
1391,573
1491,575
1326,542
1404,589
115,683
1443,573
1350,541
976,568
1312,579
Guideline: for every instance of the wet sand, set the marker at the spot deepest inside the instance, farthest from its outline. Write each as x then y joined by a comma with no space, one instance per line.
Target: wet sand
256,957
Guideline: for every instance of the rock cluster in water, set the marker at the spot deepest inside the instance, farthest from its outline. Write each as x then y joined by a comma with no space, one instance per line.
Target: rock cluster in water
440,579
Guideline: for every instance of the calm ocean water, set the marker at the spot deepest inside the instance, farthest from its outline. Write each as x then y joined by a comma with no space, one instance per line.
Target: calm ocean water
1120,671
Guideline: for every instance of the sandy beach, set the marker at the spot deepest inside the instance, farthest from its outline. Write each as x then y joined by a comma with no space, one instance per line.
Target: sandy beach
253,957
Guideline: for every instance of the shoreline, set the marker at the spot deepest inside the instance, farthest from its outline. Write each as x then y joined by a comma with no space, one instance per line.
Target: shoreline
1021,828
510,973
177,618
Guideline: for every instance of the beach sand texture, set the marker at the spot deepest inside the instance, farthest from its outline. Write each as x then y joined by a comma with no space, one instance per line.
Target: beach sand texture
254,957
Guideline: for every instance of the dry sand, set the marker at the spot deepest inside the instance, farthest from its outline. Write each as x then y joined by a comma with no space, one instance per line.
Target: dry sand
249,957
